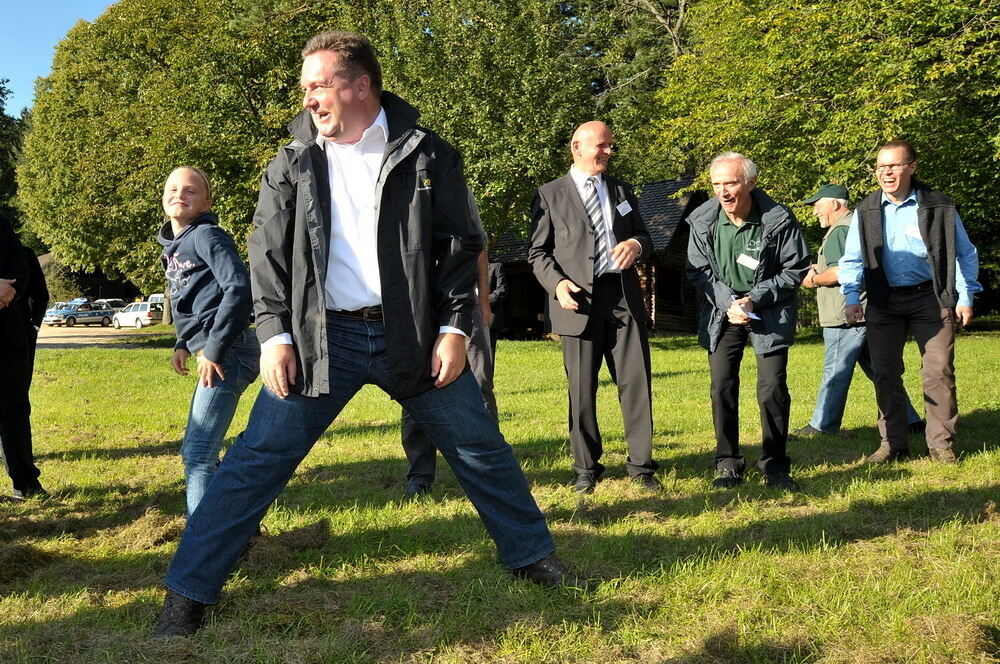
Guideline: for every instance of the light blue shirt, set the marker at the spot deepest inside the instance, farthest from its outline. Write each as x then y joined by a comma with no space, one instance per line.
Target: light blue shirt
904,254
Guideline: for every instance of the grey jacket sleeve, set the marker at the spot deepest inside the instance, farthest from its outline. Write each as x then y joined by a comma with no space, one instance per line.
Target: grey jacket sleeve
794,260
270,249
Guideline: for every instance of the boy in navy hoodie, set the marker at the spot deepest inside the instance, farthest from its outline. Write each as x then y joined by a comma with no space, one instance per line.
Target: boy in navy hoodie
210,295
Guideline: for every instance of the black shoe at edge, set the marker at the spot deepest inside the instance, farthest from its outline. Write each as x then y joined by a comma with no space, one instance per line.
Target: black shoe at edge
180,616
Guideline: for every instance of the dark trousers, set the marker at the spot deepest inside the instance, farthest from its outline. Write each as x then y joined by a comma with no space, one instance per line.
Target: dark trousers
420,451
915,312
612,335
15,409
772,396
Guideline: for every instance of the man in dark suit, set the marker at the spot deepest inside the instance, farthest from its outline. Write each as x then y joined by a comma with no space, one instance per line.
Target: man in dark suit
586,236
15,409
498,291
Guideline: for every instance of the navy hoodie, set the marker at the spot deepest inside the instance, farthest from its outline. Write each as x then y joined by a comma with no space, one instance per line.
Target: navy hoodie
209,286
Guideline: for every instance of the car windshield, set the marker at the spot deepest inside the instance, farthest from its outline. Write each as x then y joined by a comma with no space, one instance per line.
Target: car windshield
71,307
57,306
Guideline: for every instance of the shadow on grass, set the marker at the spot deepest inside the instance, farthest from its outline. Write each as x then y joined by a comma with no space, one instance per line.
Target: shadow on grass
171,448
293,587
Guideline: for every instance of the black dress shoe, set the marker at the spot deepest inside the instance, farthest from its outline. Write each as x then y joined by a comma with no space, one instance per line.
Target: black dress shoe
550,571
35,491
415,491
727,478
180,616
648,482
584,483
781,481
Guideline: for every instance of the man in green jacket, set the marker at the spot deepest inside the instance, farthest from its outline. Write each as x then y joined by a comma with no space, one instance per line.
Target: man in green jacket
747,257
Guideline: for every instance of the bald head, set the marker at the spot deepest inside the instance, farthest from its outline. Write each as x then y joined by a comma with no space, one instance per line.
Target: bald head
591,146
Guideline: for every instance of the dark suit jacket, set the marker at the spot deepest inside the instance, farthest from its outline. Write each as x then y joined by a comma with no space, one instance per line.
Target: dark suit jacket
562,247
498,292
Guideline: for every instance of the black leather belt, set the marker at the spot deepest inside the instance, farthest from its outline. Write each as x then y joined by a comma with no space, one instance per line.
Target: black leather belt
924,285
368,314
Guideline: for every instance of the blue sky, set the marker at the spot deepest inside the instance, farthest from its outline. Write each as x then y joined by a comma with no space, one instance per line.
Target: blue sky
29,32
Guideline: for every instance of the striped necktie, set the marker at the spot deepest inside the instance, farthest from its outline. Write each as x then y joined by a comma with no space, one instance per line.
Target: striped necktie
593,205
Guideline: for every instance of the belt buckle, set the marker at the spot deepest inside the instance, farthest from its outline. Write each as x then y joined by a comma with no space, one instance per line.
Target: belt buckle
371,314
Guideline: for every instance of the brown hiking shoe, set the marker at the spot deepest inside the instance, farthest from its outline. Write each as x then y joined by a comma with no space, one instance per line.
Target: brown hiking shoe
886,454
942,455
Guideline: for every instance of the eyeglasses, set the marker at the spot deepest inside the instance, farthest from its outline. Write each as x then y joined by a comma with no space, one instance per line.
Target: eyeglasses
882,168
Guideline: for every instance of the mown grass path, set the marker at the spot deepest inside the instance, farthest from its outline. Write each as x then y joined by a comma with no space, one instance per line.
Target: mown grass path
898,563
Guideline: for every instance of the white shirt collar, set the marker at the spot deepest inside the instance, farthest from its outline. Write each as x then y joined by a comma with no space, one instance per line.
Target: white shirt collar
378,129
579,177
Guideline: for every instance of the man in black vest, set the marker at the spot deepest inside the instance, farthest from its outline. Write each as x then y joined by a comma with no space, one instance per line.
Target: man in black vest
908,243
586,236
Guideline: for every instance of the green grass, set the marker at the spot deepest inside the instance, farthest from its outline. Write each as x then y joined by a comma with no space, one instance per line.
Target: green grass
884,564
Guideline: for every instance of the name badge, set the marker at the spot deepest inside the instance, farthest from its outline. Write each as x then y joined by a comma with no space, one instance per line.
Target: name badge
746,261
624,208
914,232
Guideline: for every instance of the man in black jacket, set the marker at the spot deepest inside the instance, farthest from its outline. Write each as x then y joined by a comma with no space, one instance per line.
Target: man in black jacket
15,409
363,265
586,236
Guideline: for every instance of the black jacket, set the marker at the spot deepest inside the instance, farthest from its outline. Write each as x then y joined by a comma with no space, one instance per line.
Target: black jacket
563,246
428,244
36,297
784,261
209,286
12,266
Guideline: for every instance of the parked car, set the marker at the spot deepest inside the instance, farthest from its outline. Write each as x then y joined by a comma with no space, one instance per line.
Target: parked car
79,311
114,303
139,315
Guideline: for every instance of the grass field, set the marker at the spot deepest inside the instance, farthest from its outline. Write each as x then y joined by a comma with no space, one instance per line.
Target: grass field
898,563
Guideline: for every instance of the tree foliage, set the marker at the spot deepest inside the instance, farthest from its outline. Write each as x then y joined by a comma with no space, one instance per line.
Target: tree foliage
810,90
11,129
153,84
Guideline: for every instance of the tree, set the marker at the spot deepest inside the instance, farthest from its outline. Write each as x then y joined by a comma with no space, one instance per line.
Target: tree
11,129
810,90
151,85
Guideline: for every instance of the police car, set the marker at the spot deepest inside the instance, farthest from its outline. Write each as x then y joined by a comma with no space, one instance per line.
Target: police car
80,310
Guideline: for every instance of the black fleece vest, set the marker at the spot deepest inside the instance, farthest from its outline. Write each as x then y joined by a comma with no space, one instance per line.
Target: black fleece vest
936,220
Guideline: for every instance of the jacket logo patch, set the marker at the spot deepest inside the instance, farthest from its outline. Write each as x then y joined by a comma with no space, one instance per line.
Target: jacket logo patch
425,184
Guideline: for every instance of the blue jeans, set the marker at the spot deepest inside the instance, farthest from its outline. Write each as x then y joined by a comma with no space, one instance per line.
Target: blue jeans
282,431
844,347
212,410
